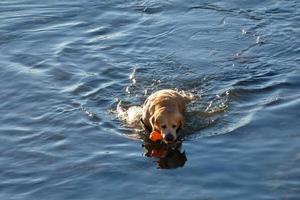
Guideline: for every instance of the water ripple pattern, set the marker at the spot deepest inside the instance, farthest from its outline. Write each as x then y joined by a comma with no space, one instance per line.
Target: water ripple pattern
66,66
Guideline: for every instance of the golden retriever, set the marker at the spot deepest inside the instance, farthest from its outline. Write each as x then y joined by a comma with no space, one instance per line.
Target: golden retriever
163,111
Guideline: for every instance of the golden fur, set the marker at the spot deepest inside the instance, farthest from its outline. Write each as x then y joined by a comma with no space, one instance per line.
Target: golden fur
163,111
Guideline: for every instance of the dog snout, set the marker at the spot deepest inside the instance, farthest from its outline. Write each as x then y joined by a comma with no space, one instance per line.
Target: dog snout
169,137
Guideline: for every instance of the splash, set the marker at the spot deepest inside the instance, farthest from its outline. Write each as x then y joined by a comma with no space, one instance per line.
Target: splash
132,77
219,104
131,116
206,113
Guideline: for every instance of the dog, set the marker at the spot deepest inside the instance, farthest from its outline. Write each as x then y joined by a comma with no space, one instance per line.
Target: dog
163,111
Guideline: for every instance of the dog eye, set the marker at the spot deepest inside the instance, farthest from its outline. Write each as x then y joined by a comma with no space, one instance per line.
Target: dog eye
164,126
174,126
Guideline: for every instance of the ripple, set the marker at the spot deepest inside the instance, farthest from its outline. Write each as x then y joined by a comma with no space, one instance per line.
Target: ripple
149,9
271,87
99,31
65,65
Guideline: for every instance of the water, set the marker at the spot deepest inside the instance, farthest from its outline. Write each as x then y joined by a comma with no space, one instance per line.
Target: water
65,65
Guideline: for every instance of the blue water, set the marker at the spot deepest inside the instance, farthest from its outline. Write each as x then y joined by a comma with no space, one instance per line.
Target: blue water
65,65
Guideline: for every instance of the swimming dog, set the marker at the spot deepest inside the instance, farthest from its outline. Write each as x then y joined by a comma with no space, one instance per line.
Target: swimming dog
163,111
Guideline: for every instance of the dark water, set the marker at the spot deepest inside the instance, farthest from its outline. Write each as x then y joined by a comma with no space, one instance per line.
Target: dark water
66,64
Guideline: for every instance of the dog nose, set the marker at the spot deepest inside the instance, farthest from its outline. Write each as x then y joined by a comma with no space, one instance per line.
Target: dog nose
169,137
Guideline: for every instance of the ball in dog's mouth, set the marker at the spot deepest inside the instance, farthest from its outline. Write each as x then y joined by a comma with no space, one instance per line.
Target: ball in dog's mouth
155,136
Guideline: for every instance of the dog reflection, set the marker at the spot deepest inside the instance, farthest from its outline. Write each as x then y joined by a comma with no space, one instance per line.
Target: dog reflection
167,156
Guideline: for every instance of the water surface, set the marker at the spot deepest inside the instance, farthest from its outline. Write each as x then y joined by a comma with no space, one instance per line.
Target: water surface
65,65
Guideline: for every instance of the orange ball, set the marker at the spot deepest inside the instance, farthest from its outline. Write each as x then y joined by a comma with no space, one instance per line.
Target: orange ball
155,136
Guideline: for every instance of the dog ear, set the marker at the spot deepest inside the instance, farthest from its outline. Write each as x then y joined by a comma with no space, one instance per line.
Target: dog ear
181,122
152,121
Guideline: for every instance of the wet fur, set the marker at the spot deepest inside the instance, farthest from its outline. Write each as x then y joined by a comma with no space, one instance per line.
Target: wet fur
163,111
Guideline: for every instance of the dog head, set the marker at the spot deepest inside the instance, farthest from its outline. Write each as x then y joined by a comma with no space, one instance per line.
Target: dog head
167,123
